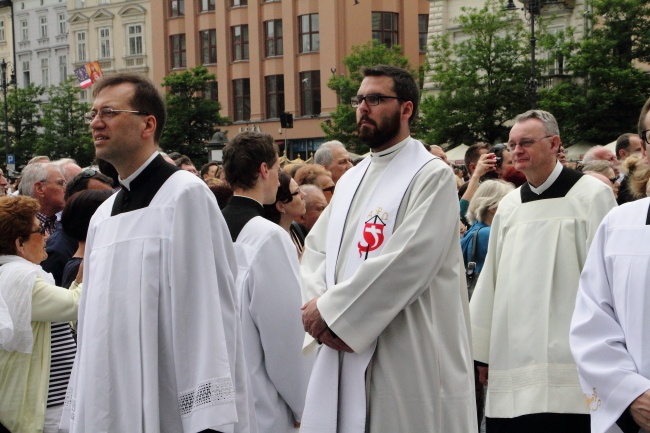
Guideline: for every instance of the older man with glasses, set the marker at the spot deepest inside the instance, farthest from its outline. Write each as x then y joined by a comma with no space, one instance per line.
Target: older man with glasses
524,299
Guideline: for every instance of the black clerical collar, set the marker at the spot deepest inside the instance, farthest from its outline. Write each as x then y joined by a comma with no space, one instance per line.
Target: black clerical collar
239,212
562,185
144,187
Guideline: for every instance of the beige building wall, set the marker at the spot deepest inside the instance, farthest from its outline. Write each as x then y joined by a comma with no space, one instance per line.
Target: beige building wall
124,27
342,24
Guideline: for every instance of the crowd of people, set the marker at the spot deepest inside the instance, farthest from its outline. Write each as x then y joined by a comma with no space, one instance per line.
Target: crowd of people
395,292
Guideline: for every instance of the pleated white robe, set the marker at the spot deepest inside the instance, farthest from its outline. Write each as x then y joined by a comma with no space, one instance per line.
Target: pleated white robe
610,330
268,284
525,295
412,299
160,346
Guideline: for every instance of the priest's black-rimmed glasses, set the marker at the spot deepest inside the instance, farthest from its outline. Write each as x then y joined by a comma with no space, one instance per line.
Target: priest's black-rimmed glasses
109,113
371,99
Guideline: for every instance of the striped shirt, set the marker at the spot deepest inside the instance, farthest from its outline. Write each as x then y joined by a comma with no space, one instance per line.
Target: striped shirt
64,349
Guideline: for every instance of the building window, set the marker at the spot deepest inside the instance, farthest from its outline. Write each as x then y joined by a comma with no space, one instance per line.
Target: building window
43,27
423,31
136,46
63,25
104,2
273,38
274,96
81,47
241,90
2,31
63,68
26,76
104,43
239,42
45,71
24,31
80,3
212,91
177,8
206,5
384,28
308,33
236,3
208,46
310,93
177,43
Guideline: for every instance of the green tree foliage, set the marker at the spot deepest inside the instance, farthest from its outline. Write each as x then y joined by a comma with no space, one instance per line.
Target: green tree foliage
191,118
65,134
480,81
343,126
607,90
24,118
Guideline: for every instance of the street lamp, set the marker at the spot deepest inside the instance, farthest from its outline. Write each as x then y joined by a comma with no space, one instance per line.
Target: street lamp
4,84
215,146
532,8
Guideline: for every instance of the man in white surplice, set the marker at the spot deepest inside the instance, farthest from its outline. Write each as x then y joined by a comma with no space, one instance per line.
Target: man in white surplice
611,324
159,346
268,285
524,298
384,284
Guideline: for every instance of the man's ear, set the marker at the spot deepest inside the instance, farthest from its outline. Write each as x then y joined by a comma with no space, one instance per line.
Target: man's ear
150,126
264,170
407,109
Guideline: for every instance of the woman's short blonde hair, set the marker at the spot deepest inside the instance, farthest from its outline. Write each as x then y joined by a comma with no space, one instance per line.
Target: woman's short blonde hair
16,221
487,196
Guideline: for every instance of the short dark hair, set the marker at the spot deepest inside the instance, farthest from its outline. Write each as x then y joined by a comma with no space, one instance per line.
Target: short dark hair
80,181
77,212
622,143
644,113
183,160
473,153
283,195
404,84
145,98
244,154
206,167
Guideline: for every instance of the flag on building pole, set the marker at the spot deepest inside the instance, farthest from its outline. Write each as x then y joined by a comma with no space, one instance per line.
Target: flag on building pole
83,77
94,71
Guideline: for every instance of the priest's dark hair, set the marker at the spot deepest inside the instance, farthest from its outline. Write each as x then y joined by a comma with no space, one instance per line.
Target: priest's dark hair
404,84
644,113
243,156
146,97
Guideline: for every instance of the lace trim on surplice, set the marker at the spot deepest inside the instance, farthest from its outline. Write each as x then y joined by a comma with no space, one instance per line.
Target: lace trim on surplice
210,393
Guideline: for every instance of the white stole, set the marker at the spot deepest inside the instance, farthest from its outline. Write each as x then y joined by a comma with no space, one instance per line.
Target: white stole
345,377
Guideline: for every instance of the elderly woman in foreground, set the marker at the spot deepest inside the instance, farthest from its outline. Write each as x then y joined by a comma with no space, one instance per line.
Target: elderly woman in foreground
29,302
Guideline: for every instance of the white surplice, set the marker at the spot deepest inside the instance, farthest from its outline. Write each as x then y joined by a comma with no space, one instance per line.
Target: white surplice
159,339
525,295
269,289
610,330
411,300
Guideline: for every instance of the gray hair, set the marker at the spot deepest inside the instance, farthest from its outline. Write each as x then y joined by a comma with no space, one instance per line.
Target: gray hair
550,124
323,155
32,173
487,196
590,155
597,166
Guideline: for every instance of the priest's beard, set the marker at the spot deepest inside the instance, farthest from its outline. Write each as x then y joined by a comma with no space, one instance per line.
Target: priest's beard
380,134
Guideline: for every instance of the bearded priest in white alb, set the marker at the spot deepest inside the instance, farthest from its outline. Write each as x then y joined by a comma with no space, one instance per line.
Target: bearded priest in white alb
386,302
610,330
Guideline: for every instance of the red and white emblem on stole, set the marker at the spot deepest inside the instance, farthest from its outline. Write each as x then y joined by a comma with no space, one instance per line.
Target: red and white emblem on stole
373,235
